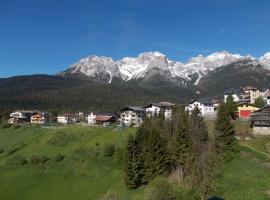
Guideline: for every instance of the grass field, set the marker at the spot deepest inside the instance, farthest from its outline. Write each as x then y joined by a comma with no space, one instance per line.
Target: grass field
70,163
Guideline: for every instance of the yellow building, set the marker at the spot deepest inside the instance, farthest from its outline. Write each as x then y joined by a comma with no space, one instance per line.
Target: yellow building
244,110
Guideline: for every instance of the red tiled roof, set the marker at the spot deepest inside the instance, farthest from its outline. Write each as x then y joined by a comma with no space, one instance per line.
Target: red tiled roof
103,118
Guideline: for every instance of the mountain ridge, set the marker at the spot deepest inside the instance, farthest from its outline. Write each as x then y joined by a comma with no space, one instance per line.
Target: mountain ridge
149,64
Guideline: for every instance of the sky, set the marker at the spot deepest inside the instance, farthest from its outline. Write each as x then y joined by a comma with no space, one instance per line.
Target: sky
47,36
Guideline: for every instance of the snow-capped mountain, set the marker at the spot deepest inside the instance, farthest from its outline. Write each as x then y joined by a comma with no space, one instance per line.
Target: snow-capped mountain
151,64
265,60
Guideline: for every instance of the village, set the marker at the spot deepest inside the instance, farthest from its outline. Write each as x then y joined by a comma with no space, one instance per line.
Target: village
244,98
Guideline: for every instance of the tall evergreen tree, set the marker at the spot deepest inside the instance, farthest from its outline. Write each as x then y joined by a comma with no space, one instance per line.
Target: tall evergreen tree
183,140
155,154
231,106
133,164
225,130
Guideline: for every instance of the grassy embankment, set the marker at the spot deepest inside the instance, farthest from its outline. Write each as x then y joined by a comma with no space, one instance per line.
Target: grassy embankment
70,163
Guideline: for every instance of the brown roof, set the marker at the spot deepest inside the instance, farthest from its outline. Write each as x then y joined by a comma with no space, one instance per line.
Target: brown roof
103,118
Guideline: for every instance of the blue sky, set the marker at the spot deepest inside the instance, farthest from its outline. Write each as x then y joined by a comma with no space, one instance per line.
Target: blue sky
46,36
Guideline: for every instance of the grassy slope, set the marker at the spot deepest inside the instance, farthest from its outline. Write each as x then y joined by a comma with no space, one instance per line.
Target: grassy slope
86,174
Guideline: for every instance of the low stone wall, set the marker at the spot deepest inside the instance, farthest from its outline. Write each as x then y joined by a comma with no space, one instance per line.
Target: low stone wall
261,130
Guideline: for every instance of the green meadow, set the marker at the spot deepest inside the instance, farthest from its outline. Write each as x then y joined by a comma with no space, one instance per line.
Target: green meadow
76,162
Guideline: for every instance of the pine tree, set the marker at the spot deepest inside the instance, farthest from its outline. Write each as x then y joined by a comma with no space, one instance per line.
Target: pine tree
183,141
133,164
225,131
155,155
231,106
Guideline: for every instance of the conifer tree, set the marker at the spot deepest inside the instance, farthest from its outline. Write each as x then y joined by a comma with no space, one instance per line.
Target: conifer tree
155,155
133,164
183,140
225,130
231,106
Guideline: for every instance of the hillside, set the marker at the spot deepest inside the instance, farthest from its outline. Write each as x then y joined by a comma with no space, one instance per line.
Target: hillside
70,163
72,94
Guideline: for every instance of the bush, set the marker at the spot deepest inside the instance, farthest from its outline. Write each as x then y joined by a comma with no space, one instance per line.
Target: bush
59,157
2,151
16,161
108,150
35,160
24,161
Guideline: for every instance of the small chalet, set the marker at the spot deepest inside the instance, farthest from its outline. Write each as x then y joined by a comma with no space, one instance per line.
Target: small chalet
103,119
156,108
260,121
40,118
244,110
132,116
67,118
20,116
206,107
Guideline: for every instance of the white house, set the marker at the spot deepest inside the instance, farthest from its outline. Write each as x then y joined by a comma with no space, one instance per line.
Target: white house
206,107
20,116
236,97
66,118
156,108
91,119
40,118
236,94
132,116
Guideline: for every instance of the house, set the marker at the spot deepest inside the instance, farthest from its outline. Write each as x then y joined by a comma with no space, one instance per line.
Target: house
260,121
132,116
250,94
206,107
91,119
20,116
67,118
235,94
103,119
156,108
40,118
244,110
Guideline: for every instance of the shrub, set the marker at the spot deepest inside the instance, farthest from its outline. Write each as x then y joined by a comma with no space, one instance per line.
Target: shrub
2,151
108,150
35,160
16,161
24,161
59,157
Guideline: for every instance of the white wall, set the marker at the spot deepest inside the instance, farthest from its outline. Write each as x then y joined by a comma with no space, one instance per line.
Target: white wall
205,110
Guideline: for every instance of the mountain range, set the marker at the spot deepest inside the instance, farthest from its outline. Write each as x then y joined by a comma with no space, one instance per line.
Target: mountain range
100,83
151,64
